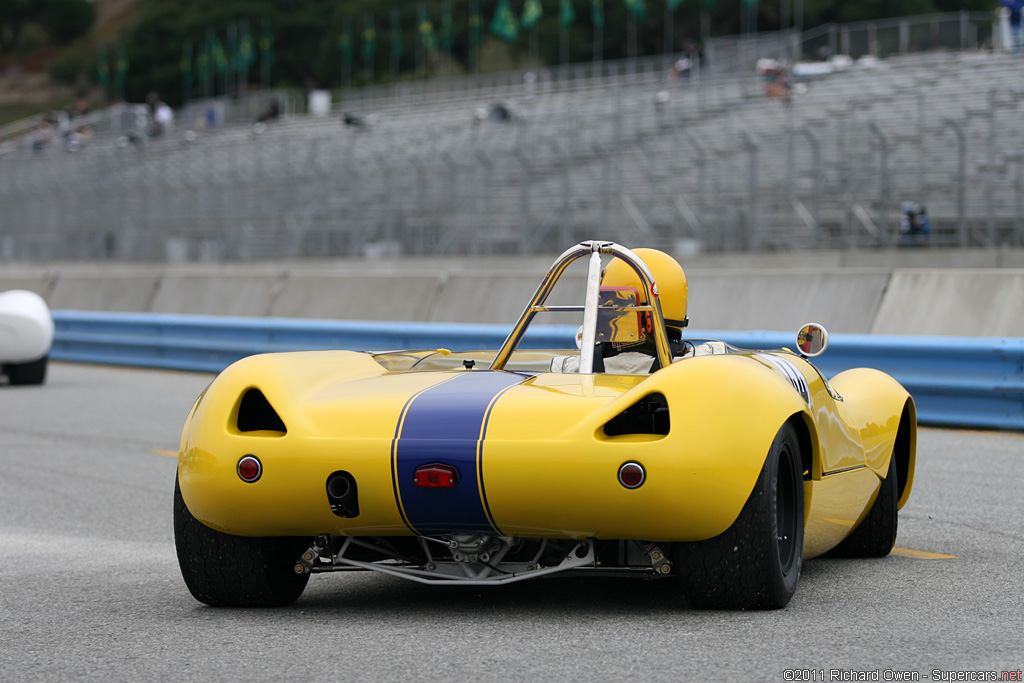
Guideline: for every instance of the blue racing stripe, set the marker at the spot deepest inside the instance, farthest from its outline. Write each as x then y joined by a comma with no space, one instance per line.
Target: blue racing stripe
447,424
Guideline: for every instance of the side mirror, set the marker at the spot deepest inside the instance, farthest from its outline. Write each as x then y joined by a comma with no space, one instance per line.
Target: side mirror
812,340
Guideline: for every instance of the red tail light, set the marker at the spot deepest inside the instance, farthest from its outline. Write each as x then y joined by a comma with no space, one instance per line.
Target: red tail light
435,476
632,475
250,469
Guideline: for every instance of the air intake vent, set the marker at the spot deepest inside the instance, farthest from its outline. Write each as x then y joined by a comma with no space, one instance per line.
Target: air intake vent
649,415
256,414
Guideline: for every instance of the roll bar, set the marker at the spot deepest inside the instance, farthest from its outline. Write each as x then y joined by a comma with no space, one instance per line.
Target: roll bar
594,249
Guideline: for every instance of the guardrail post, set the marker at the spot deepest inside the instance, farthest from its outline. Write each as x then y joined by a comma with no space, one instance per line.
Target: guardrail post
606,185
418,207
563,218
487,186
816,179
883,193
921,155
1018,200
990,172
753,233
961,191
524,194
451,232
385,169
702,163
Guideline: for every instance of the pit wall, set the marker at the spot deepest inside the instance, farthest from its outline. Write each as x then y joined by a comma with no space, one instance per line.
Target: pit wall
974,294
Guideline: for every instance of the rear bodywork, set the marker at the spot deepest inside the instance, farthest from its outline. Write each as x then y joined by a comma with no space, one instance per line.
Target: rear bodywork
537,454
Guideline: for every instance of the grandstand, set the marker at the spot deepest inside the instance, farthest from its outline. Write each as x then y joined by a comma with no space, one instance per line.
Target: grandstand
615,150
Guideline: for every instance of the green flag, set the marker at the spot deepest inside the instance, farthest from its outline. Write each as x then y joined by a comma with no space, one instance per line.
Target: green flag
186,66
246,53
369,46
427,35
566,14
396,36
102,68
638,8
234,60
447,28
748,3
673,4
220,57
345,42
532,12
475,23
120,69
597,12
505,25
266,44
203,64
708,5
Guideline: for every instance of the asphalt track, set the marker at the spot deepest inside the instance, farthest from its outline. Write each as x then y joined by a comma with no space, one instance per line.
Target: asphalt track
90,589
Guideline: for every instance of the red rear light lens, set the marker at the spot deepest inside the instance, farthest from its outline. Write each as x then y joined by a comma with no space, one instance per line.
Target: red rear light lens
632,475
435,476
250,469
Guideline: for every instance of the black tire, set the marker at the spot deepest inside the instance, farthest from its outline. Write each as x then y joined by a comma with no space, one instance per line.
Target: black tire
223,570
27,373
755,563
876,534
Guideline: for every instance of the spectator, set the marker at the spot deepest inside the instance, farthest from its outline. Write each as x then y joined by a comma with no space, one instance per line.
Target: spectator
777,82
914,223
42,136
271,113
352,120
161,117
1015,7
79,138
499,113
681,69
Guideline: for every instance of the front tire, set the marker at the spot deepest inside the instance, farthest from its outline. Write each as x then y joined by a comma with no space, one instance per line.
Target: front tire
27,373
755,563
876,534
223,570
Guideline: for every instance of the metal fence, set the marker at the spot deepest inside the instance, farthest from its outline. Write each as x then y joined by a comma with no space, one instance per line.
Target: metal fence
620,150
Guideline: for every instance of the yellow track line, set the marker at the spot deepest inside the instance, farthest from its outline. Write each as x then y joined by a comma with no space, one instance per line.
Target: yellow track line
922,554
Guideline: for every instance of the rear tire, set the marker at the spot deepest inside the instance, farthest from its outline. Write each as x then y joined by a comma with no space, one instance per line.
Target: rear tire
876,534
223,570
755,563
27,373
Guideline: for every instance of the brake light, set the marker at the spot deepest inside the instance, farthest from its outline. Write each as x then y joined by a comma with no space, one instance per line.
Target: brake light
632,475
249,469
435,476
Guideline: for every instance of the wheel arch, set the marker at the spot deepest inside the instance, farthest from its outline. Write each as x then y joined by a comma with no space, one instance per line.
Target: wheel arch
808,439
905,450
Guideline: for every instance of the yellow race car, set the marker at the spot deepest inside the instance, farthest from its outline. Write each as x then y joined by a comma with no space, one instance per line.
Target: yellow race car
640,453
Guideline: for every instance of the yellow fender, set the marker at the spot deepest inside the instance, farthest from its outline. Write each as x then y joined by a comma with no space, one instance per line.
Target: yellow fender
886,418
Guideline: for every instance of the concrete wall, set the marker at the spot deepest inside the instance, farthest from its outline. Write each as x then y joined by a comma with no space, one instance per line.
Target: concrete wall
968,303
841,300
751,292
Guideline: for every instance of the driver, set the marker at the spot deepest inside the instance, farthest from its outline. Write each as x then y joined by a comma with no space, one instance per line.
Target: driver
640,356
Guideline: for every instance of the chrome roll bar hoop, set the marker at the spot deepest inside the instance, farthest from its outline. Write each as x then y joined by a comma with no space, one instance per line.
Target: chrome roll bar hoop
594,249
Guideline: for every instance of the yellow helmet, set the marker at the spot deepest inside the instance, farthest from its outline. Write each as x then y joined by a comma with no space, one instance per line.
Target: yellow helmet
668,276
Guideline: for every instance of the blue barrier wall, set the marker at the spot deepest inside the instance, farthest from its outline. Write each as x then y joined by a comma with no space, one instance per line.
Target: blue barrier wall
961,382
